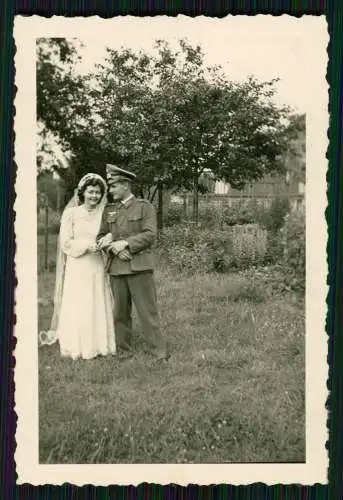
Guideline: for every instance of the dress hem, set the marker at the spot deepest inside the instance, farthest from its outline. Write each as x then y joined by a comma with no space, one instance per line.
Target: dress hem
66,354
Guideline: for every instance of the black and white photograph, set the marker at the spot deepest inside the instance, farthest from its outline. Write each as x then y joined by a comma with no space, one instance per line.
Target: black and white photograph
171,249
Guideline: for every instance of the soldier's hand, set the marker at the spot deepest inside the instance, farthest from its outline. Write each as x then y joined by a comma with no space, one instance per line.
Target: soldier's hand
124,255
118,246
105,241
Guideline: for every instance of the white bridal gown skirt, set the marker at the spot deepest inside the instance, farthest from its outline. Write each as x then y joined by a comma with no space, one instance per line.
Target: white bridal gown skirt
85,327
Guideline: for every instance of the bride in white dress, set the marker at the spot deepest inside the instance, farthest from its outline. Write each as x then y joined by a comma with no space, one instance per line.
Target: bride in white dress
83,315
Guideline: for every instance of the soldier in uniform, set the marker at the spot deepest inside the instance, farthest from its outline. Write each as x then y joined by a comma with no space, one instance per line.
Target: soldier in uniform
127,233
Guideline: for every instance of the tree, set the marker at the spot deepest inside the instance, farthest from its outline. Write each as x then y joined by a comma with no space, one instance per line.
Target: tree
59,88
56,58
229,130
170,117
167,117
64,112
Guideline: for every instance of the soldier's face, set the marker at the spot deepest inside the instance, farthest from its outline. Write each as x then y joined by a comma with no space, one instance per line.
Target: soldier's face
119,191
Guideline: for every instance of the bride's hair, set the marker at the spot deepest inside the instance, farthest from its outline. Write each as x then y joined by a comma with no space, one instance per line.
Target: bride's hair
90,182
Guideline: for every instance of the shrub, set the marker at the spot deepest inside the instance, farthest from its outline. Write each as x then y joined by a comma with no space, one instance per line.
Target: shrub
189,260
192,249
195,249
249,245
242,212
179,235
174,215
274,248
210,216
219,247
294,249
272,219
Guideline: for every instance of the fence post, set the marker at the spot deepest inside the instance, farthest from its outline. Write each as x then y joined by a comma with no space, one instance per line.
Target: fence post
184,205
46,232
159,209
58,197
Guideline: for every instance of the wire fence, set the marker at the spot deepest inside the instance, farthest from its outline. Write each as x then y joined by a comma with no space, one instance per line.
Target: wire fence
221,202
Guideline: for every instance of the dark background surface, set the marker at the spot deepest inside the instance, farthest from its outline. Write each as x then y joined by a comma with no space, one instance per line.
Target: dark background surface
334,12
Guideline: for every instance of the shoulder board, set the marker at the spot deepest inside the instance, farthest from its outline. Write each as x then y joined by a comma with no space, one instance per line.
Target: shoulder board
143,200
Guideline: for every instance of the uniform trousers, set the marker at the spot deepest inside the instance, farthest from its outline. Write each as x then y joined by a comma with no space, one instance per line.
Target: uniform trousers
140,289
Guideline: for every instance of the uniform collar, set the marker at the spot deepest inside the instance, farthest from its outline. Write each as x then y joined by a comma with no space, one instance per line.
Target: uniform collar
127,202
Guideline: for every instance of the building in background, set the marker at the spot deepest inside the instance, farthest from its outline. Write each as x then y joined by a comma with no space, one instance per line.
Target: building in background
292,183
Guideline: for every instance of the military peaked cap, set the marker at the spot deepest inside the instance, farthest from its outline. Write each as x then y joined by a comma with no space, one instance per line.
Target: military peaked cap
115,174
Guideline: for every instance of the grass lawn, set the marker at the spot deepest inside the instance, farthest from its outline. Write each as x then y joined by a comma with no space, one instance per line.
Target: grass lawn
233,390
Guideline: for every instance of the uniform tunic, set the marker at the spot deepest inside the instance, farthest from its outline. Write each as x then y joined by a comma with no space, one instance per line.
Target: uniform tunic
134,222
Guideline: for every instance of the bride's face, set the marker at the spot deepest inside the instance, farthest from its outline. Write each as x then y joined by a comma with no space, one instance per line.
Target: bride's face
92,196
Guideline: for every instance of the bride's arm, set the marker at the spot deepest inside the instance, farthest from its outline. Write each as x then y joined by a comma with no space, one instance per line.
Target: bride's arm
69,245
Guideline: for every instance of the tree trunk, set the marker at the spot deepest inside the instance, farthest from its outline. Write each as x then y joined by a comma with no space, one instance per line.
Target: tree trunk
153,194
196,199
159,208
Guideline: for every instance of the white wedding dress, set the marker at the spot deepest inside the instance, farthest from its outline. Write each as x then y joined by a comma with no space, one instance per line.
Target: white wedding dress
85,326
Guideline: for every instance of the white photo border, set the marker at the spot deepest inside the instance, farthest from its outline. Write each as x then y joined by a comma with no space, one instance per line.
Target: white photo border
26,31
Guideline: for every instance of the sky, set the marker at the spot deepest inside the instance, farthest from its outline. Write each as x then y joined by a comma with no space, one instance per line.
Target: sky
266,47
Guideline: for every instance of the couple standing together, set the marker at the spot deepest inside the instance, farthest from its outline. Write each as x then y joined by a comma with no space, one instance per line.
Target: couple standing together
104,265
